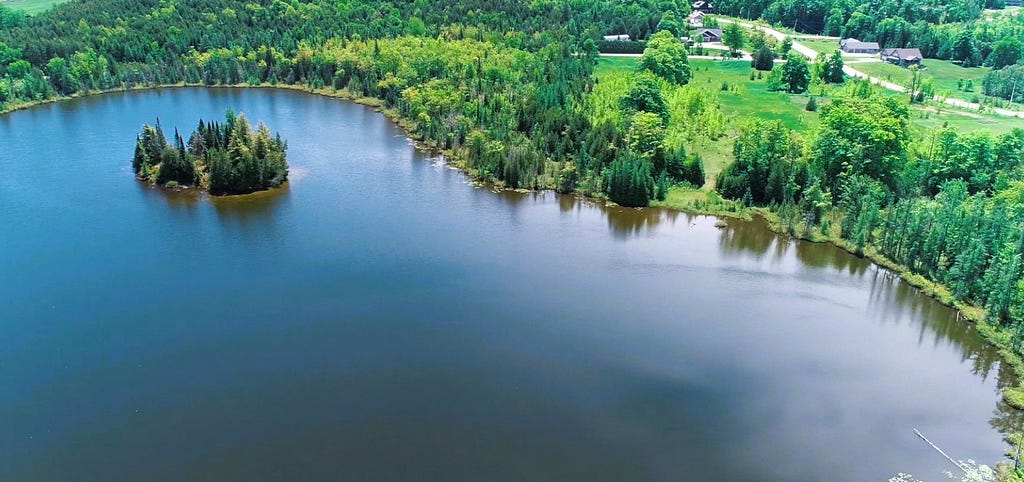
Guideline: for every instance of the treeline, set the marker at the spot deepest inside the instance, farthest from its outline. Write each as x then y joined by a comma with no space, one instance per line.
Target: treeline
838,17
229,158
948,206
946,29
93,45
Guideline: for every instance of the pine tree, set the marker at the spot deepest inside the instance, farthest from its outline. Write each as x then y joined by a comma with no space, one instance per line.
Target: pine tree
662,187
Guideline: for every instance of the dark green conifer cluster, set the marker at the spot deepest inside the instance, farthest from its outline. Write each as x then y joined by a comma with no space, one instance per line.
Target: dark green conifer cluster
229,158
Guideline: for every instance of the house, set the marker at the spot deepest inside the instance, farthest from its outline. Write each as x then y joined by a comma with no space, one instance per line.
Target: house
854,46
616,38
710,34
902,57
696,19
703,6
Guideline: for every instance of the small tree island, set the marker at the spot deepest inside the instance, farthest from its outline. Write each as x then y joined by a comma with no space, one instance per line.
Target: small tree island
229,158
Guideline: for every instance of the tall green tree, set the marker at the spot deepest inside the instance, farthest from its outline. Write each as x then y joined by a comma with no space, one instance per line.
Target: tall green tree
665,56
1005,52
732,37
629,182
795,75
832,71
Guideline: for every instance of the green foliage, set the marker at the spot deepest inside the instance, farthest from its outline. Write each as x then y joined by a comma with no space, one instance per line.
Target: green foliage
646,134
832,69
812,105
785,47
1005,52
645,96
795,75
1006,83
732,37
764,59
965,50
227,159
1014,397
861,136
767,167
177,166
661,189
629,182
665,56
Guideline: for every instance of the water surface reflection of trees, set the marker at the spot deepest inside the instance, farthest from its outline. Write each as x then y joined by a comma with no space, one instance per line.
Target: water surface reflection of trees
891,298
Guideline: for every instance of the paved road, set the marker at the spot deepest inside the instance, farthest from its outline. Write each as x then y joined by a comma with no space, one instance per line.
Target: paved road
848,70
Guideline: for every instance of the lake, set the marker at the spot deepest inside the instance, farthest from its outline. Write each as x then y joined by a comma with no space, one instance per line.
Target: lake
382,318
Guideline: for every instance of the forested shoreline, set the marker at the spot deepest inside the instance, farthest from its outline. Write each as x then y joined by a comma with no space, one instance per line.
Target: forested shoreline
509,89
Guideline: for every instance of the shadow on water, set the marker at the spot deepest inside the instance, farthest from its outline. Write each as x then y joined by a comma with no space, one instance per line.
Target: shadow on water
751,238
185,199
891,299
257,208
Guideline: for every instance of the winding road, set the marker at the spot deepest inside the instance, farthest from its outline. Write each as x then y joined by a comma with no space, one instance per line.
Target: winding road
812,54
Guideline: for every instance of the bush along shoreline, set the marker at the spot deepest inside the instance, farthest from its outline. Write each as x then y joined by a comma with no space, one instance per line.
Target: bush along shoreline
222,158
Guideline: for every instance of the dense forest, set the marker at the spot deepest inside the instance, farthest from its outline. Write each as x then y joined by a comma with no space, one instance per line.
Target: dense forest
229,158
509,88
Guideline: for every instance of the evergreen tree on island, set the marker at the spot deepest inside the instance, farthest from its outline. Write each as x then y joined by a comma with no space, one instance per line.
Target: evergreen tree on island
229,158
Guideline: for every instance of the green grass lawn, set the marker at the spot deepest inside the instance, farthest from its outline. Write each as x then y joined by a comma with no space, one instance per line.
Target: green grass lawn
751,98
743,99
944,76
820,46
937,116
32,7
746,99
612,64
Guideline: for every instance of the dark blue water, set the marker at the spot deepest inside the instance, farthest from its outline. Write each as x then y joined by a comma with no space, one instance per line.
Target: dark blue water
383,319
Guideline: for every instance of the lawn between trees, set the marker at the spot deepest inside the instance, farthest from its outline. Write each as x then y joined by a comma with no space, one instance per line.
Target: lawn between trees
737,98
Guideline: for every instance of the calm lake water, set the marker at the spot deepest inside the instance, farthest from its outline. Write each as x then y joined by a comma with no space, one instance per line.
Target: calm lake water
383,319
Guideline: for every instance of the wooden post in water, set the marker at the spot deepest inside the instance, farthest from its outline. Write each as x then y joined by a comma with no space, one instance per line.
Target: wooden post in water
936,447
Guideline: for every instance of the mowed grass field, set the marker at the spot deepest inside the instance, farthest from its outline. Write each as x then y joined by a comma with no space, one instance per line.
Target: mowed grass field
820,46
944,76
31,7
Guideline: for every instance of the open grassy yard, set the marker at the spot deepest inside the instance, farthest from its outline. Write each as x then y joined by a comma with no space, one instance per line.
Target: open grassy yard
944,76
32,6
820,46
747,98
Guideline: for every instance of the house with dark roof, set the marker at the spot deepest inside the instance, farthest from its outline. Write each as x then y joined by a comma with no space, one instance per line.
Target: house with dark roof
902,57
710,34
703,6
854,46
